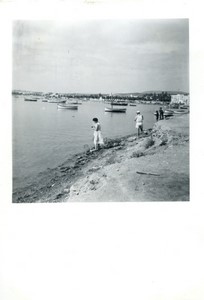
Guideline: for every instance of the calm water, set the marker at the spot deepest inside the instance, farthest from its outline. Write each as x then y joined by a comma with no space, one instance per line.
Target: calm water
44,137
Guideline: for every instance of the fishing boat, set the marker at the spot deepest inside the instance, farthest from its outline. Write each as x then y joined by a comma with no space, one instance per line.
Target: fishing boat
118,103
115,109
56,101
168,113
132,104
181,111
67,106
30,99
73,102
184,107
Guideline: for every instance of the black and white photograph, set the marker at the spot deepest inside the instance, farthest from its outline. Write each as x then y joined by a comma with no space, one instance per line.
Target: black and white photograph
100,110
101,150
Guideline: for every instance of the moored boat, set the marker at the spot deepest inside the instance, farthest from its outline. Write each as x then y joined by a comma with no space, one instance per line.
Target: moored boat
168,113
67,106
181,111
118,103
115,109
73,102
184,107
30,99
56,101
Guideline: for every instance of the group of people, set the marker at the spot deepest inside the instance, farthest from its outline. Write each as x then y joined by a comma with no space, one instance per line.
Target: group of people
98,138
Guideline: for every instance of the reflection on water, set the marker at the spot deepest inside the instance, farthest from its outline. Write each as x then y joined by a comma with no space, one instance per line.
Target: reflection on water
44,136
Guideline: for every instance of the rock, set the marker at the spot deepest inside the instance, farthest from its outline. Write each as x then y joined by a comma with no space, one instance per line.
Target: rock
95,168
73,191
146,143
94,181
115,144
131,139
59,196
137,153
118,148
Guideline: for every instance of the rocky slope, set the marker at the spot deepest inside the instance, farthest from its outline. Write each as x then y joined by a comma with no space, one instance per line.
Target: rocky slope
152,168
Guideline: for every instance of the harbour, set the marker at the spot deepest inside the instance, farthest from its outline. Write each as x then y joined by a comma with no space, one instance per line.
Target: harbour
44,136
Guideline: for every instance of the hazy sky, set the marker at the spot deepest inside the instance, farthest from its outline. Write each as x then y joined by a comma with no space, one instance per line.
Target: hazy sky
101,56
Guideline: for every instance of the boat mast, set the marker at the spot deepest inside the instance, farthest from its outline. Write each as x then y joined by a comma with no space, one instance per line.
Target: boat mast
111,100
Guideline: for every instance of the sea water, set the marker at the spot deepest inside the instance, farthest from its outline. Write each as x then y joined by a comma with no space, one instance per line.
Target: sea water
44,136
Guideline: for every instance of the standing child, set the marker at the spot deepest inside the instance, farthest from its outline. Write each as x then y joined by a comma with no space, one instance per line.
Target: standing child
157,115
98,138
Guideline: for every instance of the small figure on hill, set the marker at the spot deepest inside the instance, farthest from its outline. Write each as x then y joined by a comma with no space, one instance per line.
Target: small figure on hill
98,138
139,123
157,115
161,114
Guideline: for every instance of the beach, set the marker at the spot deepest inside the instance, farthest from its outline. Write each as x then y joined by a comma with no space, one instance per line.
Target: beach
154,167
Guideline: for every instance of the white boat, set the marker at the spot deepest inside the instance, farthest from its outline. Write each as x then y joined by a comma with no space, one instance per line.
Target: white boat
56,101
114,109
73,102
67,106
30,99
168,113
181,111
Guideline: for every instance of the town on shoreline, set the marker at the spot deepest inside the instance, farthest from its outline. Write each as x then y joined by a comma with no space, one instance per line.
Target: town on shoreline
150,97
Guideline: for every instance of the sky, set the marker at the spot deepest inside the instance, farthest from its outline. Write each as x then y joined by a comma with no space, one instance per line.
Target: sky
101,56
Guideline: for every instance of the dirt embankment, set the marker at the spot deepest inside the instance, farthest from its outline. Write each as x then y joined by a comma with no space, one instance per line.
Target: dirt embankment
153,168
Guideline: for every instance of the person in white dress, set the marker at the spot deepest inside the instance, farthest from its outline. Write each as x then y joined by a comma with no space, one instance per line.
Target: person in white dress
139,122
98,138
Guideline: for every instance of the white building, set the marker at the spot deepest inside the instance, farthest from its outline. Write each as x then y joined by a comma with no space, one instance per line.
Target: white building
180,99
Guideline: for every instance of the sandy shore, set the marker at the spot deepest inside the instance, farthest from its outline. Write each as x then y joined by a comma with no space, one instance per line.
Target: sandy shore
154,167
